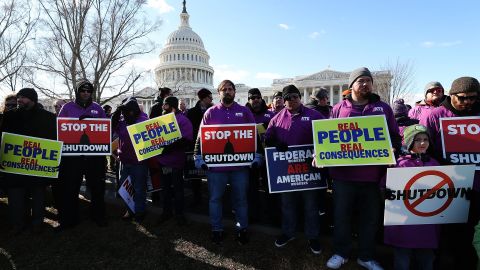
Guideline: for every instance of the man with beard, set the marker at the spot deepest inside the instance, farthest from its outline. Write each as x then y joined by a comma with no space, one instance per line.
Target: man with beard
195,116
464,94
30,120
172,162
293,126
74,168
128,113
355,188
319,102
227,112
434,95
262,116
278,103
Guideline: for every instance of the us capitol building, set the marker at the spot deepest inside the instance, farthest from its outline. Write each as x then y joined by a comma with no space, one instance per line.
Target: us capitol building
184,68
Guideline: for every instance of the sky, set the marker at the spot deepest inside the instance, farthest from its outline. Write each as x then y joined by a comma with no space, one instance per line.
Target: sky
253,42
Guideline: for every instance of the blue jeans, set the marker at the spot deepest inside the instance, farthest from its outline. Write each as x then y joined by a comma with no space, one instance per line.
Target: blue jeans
138,175
217,182
422,258
364,197
310,209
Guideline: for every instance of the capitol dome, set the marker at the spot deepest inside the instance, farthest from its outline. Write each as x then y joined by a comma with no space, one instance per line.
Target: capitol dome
184,62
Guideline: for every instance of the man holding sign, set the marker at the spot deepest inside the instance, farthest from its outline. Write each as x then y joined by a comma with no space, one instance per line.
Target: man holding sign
356,187
74,168
227,112
28,119
293,126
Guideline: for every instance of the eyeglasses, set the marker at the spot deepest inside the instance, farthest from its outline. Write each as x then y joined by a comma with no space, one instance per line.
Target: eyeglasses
254,97
292,96
465,98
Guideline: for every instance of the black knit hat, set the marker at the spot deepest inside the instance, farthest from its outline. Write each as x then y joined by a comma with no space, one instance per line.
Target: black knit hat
320,93
29,93
464,85
172,101
290,89
84,84
203,93
130,104
254,92
399,108
359,72
278,94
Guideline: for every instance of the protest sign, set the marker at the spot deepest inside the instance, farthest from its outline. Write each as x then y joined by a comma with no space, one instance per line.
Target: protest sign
127,192
31,156
190,172
461,140
292,170
228,145
428,195
86,137
352,141
149,137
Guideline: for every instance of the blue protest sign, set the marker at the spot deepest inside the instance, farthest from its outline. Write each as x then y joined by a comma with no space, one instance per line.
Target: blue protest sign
292,170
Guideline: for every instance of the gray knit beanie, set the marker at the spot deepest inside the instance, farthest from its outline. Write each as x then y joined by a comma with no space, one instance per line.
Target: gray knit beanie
359,72
432,85
464,85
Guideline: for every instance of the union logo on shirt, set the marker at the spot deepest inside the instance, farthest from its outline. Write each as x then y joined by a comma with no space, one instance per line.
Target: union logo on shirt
93,111
378,109
267,115
305,118
239,114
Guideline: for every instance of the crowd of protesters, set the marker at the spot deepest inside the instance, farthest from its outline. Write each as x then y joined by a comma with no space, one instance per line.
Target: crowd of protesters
357,191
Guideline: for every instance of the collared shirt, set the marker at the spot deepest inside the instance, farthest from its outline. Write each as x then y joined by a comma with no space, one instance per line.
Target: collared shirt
263,117
293,129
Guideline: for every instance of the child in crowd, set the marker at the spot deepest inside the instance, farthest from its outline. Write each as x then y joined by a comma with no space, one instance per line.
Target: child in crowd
414,243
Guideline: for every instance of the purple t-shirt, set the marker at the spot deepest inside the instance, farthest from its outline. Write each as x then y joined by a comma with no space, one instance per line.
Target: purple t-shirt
126,152
73,110
219,114
177,157
412,236
293,129
264,117
371,173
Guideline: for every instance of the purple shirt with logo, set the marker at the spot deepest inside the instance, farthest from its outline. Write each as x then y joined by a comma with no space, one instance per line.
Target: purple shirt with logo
371,173
176,157
263,117
412,236
73,110
219,114
126,152
293,129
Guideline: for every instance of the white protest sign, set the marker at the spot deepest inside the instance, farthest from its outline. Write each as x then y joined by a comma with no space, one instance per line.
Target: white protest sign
127,192
428,195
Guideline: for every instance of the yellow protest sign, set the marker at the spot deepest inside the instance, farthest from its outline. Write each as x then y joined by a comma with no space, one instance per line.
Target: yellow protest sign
352,141
149,137
30,155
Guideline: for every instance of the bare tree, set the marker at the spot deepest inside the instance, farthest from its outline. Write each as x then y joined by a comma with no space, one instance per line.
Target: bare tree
402,83
93,39
17,29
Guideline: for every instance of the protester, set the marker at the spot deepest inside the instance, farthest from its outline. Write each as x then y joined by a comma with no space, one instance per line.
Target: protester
293,126
172,162
278,103
457,239
74,168
434,95
400,111
227,112
262,115
108,110
319,102
58,104
195,116
345,93
414,244
355,188
128,113
28,119
182,106
156,109
9,103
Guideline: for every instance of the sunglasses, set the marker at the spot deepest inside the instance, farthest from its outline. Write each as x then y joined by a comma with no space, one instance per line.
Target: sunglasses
465,98
292,96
